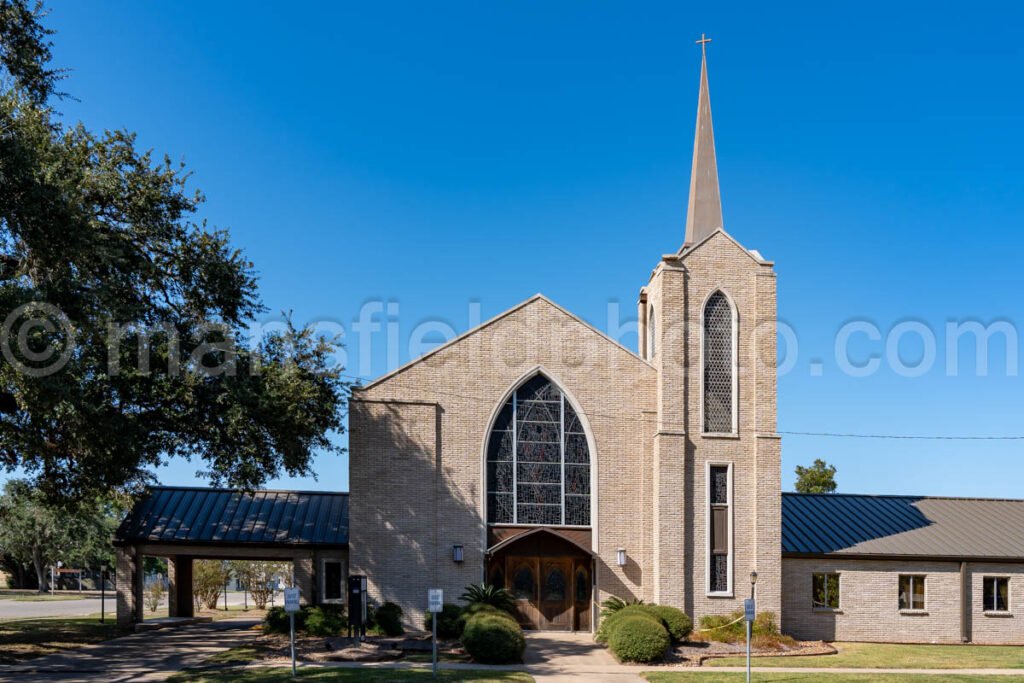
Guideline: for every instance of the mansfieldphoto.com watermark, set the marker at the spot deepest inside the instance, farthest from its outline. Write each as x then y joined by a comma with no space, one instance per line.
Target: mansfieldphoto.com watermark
38,340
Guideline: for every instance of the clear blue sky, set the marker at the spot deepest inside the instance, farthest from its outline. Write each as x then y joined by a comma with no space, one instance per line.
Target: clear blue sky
437,154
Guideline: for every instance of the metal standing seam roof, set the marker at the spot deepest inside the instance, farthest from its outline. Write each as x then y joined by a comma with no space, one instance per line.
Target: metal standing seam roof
904,526
200,515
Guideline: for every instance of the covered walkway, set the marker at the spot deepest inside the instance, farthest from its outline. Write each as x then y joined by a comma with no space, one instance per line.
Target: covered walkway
308,529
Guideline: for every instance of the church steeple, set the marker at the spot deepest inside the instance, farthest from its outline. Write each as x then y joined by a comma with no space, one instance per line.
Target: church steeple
704,212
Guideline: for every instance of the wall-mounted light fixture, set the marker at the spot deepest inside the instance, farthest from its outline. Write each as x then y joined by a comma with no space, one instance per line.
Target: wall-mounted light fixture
620,557
458,554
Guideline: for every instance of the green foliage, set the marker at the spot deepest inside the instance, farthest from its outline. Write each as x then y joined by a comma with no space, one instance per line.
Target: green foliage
610,623
276,620
208,579
493,638
614,604
449,622
154,594
713,627
38,533
258,577
675,621
487,594
325,620
638,638
388,617
818,478
134,312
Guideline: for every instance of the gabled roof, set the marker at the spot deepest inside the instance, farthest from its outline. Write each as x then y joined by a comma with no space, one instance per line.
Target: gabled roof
180,515
533,299
902,526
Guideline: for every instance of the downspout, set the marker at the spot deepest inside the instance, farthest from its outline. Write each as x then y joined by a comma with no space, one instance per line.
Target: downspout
965,604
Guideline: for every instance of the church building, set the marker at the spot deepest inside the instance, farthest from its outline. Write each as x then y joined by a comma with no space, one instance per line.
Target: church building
537,454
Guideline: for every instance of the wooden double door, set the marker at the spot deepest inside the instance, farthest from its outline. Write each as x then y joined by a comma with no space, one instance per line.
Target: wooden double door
552,593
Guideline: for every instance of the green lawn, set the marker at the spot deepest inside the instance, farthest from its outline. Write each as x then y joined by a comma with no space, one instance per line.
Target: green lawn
333,675
894,656
23,639
722,677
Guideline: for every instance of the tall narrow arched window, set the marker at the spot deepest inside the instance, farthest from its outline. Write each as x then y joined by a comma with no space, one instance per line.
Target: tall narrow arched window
719,366
651,339
538,461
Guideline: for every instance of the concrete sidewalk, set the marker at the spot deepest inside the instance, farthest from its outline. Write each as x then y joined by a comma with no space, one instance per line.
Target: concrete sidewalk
152,656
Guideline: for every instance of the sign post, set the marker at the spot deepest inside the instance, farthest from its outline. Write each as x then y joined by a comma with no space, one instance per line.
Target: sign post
748,616
291,606
435,603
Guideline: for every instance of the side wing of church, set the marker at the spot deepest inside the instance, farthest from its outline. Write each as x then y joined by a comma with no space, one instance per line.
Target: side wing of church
537,454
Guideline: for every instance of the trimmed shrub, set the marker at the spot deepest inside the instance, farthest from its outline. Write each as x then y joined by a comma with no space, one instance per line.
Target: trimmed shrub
324,621
493,638
675,621
638,638
276,620
389,618
609,623
449,621
713,627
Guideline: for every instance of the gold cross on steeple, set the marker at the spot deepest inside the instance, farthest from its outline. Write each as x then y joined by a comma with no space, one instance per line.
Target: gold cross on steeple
704,40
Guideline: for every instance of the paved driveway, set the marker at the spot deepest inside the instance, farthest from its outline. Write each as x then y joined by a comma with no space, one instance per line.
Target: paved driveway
15,609
151,656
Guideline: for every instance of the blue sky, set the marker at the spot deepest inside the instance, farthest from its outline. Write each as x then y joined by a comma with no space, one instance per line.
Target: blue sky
438,154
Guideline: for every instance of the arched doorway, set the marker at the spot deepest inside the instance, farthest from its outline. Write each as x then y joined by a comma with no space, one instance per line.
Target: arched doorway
549,575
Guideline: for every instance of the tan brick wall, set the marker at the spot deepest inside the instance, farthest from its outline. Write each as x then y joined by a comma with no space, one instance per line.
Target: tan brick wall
868,604
996,627
417,452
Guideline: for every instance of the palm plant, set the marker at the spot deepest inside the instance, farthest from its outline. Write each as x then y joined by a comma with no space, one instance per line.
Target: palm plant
614,604
487,594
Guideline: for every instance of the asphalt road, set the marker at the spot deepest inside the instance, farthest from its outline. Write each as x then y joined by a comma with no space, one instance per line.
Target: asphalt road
14,609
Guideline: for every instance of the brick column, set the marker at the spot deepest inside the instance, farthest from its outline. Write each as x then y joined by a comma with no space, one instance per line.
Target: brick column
179,593
303,572
129,587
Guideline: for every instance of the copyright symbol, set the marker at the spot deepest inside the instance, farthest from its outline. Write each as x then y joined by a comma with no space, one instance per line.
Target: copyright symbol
37,339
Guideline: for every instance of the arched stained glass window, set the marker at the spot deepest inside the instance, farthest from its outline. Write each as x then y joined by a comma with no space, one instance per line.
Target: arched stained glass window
538,461
719,402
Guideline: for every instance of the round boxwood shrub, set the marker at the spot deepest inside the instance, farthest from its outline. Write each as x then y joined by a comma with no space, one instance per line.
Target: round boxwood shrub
388,617
449,622
491,638
638,638
675,620
608,624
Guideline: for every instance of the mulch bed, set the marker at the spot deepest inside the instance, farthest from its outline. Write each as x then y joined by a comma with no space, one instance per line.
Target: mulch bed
373,649
695,653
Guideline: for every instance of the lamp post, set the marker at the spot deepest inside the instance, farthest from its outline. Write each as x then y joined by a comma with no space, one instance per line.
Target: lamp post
749,615
224,566
103,592
753,583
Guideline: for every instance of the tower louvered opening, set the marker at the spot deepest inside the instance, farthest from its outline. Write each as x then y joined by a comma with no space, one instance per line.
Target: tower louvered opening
718,365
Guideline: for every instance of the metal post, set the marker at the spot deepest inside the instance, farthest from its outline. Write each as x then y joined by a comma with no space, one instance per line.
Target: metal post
103,594
748,652
245,596
433,623
291,618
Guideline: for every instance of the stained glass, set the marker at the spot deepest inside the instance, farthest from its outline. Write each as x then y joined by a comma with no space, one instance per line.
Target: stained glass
538,461
582,586
523,586
554,586
718,365
719,485
719,573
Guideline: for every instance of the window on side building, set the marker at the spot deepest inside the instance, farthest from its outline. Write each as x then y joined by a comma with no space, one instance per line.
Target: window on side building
825,591
997,594
911,591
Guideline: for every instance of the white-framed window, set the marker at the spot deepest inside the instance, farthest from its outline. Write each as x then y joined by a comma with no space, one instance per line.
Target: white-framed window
719,529
652,343
332,580
825,590
911,595
718,377
996,593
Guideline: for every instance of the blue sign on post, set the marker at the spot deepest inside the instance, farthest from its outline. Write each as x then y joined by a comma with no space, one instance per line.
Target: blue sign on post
748,609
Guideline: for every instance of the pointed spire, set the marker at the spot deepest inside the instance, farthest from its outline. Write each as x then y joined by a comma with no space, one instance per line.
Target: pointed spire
704,212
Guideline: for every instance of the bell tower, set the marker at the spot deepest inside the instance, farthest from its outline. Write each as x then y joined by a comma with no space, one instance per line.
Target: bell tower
707,324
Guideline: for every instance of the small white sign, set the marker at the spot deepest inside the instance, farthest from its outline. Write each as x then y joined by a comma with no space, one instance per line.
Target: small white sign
291,599
748,609
435,600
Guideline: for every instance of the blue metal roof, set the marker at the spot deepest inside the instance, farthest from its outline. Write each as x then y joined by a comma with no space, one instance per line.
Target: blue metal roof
905,526
201,515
